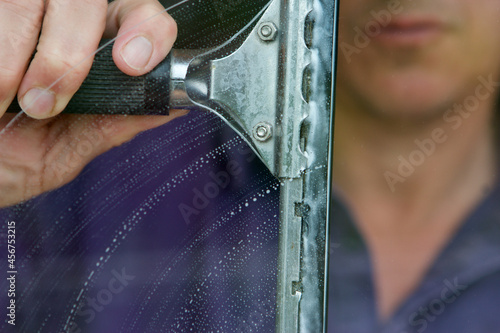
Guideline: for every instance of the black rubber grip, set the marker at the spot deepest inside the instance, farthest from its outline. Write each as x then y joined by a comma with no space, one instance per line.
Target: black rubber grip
107,90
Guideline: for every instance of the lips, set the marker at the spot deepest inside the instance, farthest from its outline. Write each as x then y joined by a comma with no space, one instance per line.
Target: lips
409,32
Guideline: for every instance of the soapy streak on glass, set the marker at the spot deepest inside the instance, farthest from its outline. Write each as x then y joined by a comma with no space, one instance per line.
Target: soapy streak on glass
90,227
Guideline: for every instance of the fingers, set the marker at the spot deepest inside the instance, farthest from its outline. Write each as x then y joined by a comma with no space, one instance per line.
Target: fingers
69,36
145,33
20,22
70,33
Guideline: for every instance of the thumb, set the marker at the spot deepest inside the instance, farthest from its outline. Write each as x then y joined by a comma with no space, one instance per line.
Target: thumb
145,31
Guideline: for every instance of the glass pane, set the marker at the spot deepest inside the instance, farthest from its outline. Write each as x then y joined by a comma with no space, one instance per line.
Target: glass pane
175,231
153,236
213,222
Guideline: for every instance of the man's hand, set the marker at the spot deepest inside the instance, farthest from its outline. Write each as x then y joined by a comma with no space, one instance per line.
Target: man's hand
38,155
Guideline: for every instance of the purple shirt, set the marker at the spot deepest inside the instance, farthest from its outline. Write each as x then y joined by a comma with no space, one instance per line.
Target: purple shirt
460,293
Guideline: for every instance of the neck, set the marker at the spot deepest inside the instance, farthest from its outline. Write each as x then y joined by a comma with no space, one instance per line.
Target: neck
413,165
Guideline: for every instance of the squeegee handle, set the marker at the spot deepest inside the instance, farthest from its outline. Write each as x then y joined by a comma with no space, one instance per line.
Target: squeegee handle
107,90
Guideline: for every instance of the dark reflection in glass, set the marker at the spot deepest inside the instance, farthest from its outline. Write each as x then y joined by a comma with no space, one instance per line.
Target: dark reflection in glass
175,231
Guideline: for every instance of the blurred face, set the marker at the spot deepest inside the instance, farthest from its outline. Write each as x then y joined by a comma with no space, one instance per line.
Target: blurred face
415,58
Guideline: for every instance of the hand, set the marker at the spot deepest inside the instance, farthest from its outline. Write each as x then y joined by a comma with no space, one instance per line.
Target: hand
40,149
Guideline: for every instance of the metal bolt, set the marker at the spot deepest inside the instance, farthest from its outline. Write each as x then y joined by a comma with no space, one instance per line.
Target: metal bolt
267,31
262,131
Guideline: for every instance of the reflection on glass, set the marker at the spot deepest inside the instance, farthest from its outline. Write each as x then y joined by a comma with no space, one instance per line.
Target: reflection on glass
174,231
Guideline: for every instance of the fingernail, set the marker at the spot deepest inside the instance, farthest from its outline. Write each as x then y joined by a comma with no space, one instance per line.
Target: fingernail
38,102
137,52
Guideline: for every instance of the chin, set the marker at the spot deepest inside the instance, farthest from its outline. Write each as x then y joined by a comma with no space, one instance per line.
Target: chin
421,106
415,112
405,95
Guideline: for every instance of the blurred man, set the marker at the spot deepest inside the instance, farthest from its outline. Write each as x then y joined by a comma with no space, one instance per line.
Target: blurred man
415,165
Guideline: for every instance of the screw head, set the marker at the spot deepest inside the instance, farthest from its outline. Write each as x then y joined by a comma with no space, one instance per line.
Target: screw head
262,131
267,31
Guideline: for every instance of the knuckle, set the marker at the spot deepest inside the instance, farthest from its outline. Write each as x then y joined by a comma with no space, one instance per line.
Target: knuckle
154,10
157,19
29,10
9,74
63,65
101,5
9,83
171,25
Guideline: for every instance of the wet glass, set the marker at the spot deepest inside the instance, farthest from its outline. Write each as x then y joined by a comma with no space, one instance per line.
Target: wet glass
214,222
